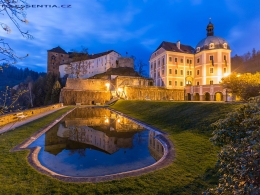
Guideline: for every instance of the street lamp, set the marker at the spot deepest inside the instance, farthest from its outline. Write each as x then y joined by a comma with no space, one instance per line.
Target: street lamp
108,86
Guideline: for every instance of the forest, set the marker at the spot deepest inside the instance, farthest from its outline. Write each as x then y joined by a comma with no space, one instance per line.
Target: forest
23,88
247,63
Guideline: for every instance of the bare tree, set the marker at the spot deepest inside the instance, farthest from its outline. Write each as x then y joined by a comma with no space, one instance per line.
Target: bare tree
78,66
15,11
8,100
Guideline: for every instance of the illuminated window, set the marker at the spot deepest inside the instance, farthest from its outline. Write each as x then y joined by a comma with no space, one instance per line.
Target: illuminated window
225,70
211,70
225,57
176,59
176,71
198,49
170,82
181,83
211,82
170,71
170,59
181,72
190,61
198,72
181,60
175,83
188,72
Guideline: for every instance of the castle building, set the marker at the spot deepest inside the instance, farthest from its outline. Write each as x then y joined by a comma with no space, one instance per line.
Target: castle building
62,63
197,70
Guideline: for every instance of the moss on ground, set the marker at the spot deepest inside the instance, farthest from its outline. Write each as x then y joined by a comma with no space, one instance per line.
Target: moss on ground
190,173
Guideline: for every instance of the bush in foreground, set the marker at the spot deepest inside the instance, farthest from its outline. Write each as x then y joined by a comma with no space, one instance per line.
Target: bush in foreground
239,160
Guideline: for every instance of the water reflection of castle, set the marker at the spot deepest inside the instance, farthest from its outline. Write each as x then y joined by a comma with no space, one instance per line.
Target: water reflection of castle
155,147
91,128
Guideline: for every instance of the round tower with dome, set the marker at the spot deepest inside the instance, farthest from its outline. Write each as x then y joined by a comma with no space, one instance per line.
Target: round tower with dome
212,59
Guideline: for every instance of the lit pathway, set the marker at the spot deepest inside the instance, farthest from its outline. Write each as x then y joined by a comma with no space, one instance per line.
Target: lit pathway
15,124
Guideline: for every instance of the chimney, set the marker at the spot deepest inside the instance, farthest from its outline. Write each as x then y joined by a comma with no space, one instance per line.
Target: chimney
178,44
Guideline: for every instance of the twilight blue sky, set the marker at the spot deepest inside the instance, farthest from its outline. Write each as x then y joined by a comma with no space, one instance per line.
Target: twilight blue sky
133,26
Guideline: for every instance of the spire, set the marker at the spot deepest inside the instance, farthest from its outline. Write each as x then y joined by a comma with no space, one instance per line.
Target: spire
210,28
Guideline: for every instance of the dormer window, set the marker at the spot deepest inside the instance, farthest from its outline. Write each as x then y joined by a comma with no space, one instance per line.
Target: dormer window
211,46
225,45
198,49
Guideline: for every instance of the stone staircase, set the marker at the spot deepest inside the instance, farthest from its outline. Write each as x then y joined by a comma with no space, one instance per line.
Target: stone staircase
113,100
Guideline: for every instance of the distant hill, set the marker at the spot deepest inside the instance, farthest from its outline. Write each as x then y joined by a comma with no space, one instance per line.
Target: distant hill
247,63
11,76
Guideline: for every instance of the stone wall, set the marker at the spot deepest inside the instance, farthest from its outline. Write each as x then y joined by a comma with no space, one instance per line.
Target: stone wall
126,62
121,81
86,84
11,117
85,97
152,93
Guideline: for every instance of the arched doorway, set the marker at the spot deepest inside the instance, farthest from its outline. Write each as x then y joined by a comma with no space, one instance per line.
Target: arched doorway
196,97
218,96
207,96
189,97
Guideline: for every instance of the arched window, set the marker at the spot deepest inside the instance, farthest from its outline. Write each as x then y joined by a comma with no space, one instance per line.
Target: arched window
198,49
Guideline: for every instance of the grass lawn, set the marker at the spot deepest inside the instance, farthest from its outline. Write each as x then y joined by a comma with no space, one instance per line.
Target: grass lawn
190,173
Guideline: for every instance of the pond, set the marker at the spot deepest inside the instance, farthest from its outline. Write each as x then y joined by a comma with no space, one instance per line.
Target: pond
96,142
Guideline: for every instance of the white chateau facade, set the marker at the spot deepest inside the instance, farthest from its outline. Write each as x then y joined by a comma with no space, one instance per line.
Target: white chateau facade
197,70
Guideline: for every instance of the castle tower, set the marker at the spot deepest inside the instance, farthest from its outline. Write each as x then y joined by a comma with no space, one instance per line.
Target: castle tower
56,56
212,59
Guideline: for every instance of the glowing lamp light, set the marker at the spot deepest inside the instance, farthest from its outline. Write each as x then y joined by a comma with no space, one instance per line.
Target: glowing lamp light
118,120
107,85
106,121
120,89
238,75
226,74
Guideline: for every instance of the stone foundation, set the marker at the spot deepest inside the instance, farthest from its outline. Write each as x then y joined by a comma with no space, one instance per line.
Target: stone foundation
85,97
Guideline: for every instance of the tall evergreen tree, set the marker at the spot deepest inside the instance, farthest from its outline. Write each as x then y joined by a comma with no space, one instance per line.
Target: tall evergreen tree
55,93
